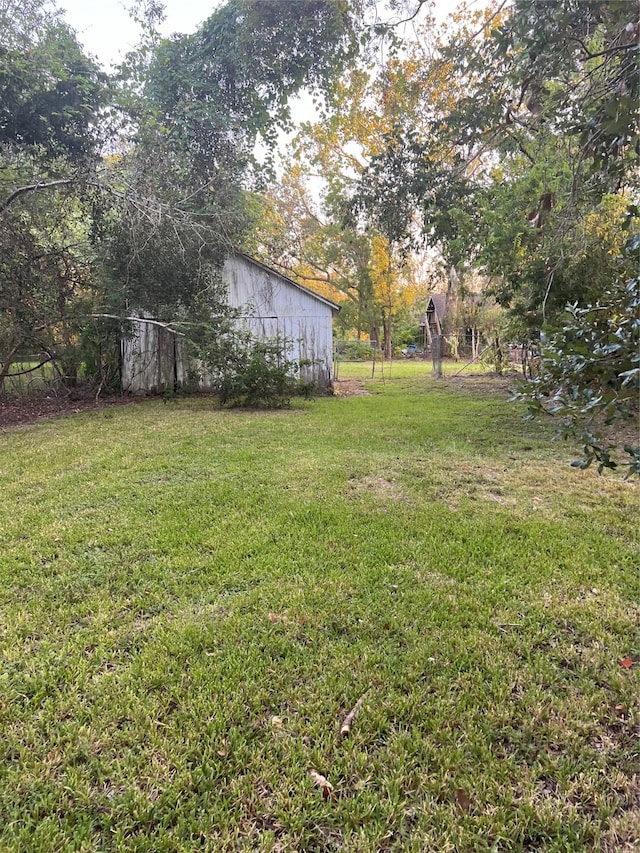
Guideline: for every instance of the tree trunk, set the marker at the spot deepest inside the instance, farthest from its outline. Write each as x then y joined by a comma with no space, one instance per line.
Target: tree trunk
7,364
436,355
497,351
388,347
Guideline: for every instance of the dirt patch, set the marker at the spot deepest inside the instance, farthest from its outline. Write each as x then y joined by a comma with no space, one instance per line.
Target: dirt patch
378,486
484,382
349,388
19,411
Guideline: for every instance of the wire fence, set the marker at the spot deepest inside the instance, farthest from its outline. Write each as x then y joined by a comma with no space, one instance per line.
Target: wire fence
442,356
33,374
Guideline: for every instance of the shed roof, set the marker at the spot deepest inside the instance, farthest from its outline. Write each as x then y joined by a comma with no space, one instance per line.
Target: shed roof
439,302
332,305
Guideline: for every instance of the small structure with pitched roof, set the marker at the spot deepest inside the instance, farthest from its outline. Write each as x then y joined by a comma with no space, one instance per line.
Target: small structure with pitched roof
270,305
433,320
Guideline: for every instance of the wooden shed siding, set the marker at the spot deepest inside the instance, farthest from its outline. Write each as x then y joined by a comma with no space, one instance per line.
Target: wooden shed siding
273,306
151,359
270,306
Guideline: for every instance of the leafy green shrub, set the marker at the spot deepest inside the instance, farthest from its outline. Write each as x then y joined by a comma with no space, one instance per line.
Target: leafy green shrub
407,337
256,374
354,350
590,370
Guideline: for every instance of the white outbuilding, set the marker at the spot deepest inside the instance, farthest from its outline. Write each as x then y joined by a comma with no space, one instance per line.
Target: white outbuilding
270,304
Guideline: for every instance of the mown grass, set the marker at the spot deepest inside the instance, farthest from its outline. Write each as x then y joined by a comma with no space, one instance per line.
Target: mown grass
192,600
408,367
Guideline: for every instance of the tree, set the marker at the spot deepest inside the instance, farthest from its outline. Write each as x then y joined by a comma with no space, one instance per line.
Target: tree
193,107
153,221
527,172
503,125
51,99
366,273
590,370
51,92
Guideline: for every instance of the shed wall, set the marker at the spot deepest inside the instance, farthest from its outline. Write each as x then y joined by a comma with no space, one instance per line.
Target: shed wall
272,307
151,359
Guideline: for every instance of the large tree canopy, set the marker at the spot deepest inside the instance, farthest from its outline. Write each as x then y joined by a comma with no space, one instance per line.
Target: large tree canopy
194,106
250,57
51,92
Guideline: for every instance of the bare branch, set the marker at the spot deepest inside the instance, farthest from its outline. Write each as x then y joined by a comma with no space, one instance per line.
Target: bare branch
487,22
40,185
615,49
345,728
408,20
30,370
166,326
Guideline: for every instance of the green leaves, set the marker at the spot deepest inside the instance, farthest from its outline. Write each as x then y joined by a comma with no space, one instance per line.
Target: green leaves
246,61
252,373
51,94
590,371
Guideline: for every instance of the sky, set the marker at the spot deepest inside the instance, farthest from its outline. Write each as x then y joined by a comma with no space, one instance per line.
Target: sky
106,30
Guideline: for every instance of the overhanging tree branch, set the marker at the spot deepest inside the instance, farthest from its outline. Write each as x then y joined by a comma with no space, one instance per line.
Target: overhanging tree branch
40,185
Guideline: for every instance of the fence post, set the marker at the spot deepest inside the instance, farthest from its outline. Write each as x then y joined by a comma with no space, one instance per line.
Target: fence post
436,354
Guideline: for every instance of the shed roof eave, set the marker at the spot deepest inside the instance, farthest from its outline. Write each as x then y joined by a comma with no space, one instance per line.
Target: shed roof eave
332,305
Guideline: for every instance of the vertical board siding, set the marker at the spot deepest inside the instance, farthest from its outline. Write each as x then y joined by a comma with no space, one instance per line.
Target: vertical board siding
273,306
270,306
152,359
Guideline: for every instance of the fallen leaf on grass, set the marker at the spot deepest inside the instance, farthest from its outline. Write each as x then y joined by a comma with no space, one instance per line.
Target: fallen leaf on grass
322,782
345,728
627,663
463,799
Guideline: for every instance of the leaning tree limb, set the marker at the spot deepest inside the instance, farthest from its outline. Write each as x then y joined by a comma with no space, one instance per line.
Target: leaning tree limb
40,185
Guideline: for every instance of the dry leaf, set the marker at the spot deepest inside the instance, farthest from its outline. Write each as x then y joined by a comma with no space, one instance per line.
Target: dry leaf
463,799
345,728
322,782
627,663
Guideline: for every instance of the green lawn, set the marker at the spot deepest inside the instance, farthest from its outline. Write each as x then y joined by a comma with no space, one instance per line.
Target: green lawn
192,601
408,367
